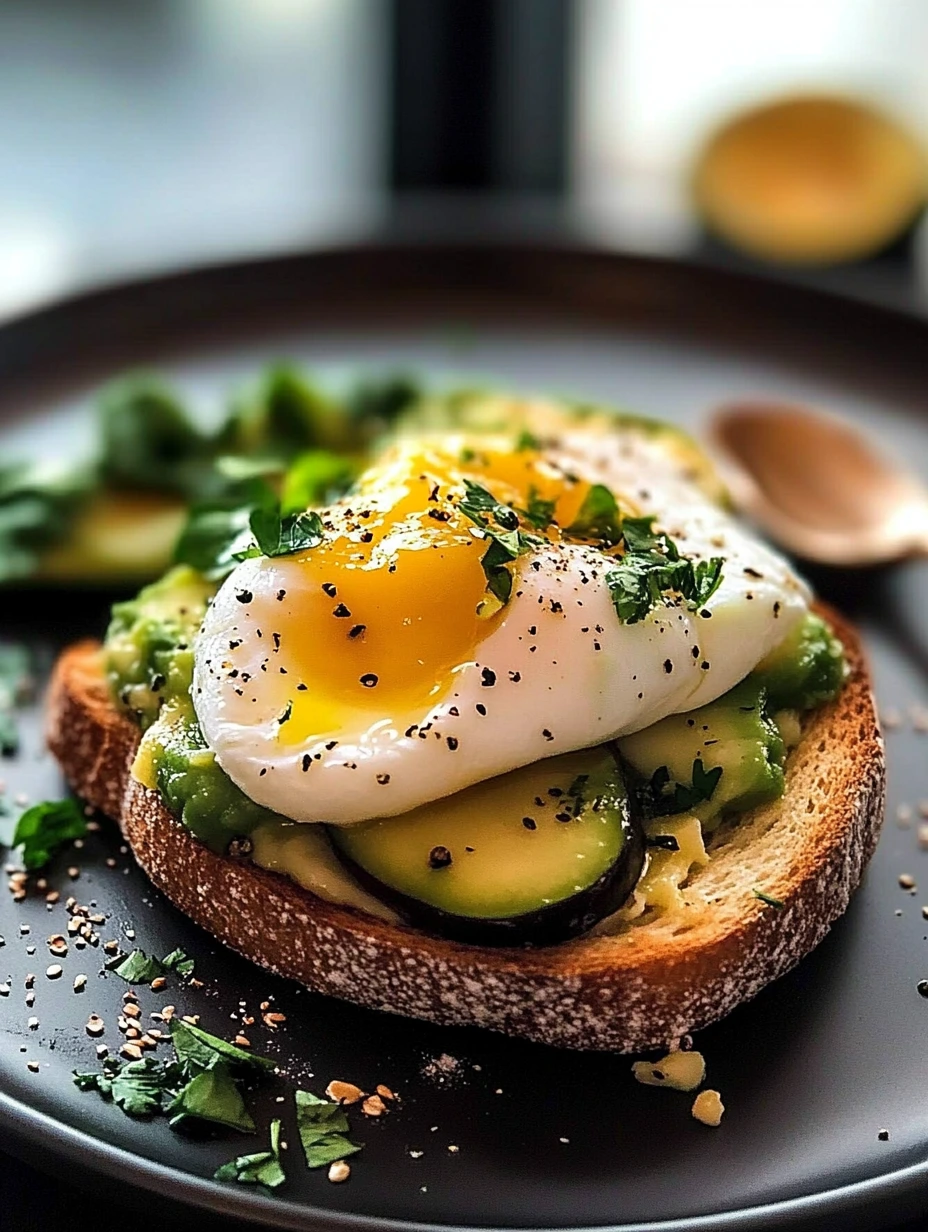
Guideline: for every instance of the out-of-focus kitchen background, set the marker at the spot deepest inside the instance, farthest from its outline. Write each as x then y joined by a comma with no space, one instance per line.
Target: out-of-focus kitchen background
154,134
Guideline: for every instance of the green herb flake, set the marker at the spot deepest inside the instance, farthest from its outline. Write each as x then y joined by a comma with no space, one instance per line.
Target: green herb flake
139,1088
200,1050
279,535
323,1126
211,1095
504,545
653,569
263,1168
178,962
46,827
664,797
139,968
598,517
768,899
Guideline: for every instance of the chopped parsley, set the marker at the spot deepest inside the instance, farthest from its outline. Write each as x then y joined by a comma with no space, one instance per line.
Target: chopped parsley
197,1048
178,962
211,1095
200,1084
46,827
141,968
245,523
504,545
598,517
278,534
140,1088
652,568
263,1168
323,1126
662,797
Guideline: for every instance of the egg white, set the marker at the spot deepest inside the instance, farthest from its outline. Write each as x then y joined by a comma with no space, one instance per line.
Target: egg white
558,672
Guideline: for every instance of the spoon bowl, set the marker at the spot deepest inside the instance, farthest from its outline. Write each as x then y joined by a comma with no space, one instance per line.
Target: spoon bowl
818,486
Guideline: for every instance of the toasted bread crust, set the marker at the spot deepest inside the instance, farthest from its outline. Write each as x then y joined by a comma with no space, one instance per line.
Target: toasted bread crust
642,988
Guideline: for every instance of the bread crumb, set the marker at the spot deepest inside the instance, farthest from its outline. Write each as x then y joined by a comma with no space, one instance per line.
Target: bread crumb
907,881
708,1108
444,1069
339,1171
680,1071
373,1106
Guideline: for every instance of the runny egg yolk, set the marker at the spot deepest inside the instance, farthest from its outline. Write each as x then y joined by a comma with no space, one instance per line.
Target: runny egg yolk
393,601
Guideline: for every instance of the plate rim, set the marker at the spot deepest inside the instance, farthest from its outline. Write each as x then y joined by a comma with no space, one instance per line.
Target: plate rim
33,1126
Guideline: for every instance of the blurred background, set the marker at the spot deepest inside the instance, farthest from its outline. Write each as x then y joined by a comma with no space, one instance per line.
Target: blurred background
154,134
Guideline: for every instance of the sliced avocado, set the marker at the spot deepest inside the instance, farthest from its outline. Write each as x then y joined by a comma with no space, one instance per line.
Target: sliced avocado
805,670
149,643
722,758
532,857
116,536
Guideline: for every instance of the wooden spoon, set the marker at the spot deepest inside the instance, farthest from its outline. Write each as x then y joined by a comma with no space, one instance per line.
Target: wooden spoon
818,486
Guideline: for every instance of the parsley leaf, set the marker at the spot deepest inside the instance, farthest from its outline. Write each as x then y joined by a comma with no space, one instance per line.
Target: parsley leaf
178,962
598,517
263,1168
277,535
139,968
45,827
211,1095
322,1125
480,505
198,1049
653,568
139,1088
505,545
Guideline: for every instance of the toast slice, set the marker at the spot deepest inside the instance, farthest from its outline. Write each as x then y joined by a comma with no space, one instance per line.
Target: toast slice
641,988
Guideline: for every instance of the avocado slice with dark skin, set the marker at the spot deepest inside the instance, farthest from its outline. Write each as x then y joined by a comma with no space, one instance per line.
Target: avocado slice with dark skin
532,858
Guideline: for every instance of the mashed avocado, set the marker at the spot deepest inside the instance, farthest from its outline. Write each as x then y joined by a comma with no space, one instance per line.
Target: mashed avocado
149,665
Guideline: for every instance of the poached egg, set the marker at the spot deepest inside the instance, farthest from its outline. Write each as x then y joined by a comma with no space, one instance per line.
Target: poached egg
381,670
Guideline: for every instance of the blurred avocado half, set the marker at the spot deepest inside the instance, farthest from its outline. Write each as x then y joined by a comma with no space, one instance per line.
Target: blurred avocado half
811,179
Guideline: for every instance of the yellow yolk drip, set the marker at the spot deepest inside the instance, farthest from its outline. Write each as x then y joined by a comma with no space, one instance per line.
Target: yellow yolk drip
392,598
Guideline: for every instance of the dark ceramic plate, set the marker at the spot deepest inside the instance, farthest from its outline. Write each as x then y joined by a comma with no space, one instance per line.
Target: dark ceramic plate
810,1072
